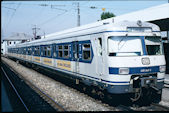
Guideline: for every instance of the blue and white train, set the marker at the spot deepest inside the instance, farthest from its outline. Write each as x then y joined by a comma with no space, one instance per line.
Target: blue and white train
121,57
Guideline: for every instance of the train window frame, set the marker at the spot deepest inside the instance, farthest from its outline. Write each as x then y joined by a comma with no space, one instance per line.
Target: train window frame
24,50
114,53
87,51
44,51
66,50
54,51
35,51
157,42
60,50
49,50
38,50
29,51
100,46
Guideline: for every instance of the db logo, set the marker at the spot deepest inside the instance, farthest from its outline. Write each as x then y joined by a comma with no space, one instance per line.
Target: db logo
145,61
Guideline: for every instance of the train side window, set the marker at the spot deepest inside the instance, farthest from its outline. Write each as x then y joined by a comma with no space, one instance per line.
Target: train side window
60,51
45,50
66,51
24,51
100,46
29,52
54,50
49,51
35,51
38,51
86,52
41,47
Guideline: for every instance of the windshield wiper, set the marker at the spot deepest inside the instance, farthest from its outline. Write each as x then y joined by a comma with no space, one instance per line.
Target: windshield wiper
121,41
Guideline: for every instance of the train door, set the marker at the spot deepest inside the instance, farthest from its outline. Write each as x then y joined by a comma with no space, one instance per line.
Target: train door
76,56
99,56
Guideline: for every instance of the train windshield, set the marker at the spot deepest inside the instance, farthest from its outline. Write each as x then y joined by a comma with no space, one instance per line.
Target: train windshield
125,46
154,45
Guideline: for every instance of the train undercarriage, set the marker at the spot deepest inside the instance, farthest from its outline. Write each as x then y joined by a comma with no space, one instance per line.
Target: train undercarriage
146,88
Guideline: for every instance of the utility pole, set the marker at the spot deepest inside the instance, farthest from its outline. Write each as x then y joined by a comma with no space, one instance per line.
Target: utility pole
35,31
78,14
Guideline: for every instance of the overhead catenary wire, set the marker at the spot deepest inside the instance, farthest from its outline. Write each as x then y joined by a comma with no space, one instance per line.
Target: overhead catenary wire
9,8
12,15
49,20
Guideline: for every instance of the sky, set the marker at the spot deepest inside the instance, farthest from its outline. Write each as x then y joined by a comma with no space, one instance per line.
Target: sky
54,16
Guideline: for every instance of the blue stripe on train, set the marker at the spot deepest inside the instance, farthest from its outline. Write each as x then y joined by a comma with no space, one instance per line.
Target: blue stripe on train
136,70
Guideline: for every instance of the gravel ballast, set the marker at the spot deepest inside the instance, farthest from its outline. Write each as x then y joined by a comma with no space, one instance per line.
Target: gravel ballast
69,98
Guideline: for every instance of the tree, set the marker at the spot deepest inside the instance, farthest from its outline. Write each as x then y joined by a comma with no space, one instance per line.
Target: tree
106,15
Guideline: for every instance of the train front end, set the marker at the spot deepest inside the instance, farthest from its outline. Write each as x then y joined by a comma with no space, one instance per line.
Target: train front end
136,61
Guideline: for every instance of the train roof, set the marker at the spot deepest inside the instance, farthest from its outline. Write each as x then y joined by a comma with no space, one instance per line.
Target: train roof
90,28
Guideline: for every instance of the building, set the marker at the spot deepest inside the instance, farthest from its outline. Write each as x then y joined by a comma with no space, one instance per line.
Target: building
14,39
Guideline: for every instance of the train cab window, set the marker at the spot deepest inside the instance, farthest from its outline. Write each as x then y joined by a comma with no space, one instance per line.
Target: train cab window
66,51
86,51
100,46
125,46
154,45
60,51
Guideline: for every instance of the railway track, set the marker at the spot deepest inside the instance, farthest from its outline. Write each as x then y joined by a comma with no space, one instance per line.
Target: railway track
124,108
48,99
152,107
160,107
16,92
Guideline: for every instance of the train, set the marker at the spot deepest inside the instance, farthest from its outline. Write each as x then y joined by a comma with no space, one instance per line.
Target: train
123,57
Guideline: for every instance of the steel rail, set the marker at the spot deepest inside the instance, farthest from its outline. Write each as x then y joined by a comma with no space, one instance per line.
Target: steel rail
165,108
124,108
15,90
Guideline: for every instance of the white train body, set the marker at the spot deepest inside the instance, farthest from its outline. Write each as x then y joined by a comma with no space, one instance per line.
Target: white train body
111,56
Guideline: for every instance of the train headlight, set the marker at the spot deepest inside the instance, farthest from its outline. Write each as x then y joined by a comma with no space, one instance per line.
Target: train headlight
162,68
123,70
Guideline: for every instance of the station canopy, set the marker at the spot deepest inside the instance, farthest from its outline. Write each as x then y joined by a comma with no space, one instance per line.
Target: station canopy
158,15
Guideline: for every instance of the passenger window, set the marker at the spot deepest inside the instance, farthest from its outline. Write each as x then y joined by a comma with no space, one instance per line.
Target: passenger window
86,52
54,50
49,51
29,51
24,51
66,51
100,46
38,51
45,51
35,51
60,51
